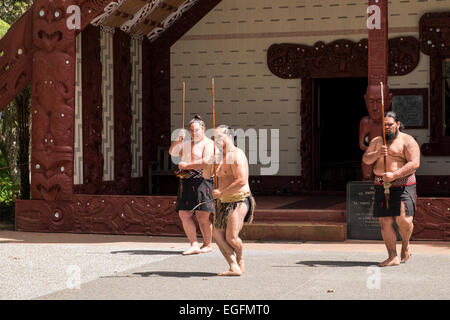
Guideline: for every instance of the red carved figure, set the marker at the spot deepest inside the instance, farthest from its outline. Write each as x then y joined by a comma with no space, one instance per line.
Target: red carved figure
370,126
53,101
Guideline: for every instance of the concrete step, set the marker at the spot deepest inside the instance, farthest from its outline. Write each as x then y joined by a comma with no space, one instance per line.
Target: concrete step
298,215
306,231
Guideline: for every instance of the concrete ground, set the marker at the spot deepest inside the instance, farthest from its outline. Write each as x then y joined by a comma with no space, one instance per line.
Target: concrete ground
73,266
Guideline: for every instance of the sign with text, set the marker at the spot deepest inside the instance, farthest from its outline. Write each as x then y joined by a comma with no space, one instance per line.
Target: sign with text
360,221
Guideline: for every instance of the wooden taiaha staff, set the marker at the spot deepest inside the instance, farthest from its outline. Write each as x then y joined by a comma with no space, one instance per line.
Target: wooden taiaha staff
387,185
181,152
214,136
184,100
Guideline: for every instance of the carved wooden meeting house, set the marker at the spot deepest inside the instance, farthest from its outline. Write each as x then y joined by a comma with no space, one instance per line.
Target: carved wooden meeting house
107,93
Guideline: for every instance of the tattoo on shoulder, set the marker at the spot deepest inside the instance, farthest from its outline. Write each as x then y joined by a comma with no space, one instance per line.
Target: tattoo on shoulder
411,145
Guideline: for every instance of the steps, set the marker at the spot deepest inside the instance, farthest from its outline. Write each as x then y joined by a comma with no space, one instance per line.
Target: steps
297,225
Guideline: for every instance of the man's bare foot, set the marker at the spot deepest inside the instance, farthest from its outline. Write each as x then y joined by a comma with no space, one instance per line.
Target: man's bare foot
205,249
191,250
241,264
389,262
230,273
406,254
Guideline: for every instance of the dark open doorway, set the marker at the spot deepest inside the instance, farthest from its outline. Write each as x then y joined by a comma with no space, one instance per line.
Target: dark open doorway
339,107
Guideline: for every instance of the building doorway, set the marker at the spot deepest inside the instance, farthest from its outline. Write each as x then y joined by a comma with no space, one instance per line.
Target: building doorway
339,107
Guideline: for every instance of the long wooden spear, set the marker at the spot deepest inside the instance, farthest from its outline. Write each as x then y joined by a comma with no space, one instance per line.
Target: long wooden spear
184,100
387,185
214,136
180,175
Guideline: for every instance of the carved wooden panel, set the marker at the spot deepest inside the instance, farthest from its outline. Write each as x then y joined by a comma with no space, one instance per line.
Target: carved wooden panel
339,59
101,214
53,102
434,31
432,220
16,52
378,48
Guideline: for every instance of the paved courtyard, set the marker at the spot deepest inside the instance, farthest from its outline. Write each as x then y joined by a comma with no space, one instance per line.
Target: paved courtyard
72,266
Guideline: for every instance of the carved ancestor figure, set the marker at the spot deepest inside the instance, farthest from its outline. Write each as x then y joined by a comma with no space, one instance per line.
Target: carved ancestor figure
370,126
53,101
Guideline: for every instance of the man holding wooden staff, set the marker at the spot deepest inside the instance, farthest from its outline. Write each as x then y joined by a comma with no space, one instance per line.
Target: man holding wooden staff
396,157
234,202
195,192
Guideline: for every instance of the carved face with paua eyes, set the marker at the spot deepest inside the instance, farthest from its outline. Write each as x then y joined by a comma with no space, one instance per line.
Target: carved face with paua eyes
50,30
373,101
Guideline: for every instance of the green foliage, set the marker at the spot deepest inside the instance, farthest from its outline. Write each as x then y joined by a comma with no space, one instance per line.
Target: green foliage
11,10
7,192
3,28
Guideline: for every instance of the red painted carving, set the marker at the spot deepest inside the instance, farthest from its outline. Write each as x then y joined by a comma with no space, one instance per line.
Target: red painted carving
90,9
101,214
18,45
53,102
432,220
434,33
16,52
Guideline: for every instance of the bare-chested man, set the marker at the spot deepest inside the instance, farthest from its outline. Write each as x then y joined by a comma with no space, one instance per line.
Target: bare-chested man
402,160
235,204
194,192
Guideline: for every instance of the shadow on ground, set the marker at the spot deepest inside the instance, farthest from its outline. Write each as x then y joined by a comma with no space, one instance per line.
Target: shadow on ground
337,263
176,274
146,252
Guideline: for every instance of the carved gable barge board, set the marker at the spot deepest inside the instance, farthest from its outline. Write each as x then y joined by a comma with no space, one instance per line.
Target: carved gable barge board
18,49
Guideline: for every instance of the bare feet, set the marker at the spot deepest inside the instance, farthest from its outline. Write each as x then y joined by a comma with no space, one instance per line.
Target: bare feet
233,271
205,248
406,253
191,250
389,262
230,273
241,264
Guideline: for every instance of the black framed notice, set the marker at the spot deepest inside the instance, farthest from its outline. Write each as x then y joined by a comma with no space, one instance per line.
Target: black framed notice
411,106
361,224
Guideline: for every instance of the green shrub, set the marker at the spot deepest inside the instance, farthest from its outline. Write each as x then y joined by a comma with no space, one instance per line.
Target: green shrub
7,191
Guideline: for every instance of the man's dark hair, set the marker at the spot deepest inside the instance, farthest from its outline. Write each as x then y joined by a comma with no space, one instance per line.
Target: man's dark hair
197,119
393,115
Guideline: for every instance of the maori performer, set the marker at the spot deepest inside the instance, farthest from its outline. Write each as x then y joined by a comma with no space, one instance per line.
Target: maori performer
234,201
195,192
402,156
